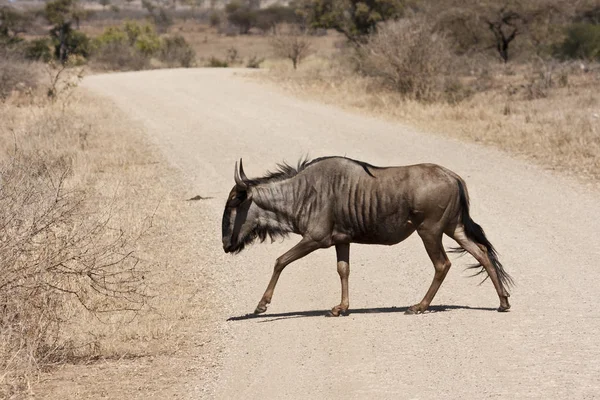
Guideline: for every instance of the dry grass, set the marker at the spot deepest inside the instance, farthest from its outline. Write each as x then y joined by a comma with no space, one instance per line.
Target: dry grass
552,118
87,273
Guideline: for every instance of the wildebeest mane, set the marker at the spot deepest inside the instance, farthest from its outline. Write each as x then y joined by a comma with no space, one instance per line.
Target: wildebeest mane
286,171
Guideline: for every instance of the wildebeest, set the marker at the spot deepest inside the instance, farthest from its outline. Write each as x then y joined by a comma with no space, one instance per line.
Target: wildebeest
335,201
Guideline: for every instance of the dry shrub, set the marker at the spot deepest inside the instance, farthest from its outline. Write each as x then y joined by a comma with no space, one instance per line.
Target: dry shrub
55,255
291,43
64,258
407,57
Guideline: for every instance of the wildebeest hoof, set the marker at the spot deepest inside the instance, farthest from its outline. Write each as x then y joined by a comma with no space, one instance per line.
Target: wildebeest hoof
336,312
260,309
503,308
413,310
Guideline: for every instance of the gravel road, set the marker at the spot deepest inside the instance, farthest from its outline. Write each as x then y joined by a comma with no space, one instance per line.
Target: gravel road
545,227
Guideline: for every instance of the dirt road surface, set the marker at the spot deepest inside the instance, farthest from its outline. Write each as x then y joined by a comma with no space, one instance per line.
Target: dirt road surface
545,227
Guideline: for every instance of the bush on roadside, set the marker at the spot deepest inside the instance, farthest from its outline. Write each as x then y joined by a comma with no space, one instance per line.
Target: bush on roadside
133,45
126,47
176,51
405,56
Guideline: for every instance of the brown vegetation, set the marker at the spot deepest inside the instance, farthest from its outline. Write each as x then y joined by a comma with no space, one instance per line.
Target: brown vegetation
85,272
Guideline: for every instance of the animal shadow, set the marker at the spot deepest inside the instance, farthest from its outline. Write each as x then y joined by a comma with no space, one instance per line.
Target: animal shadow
324,313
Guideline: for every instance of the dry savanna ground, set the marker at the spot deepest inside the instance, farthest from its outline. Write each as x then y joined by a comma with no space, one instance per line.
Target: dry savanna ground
89,182
106,172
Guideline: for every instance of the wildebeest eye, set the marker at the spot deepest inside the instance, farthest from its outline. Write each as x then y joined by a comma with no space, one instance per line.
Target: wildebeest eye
237,198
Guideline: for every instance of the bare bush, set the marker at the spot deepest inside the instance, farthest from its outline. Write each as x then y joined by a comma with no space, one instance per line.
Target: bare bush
408,58
292,44
55,253
64,257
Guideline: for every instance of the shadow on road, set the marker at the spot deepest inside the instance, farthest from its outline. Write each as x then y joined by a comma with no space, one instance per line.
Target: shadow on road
323,313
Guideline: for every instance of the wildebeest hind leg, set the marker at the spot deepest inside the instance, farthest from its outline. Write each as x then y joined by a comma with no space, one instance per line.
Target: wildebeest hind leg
435,250
479,252
343,268
303,248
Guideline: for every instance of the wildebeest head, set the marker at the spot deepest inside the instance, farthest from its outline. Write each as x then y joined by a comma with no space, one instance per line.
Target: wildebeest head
236,226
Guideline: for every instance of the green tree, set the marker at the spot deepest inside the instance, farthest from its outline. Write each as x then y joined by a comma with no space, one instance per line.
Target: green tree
62,14
356,19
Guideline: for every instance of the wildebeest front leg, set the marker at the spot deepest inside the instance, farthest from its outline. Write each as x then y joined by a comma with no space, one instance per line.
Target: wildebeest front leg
433,244
343,268
303,248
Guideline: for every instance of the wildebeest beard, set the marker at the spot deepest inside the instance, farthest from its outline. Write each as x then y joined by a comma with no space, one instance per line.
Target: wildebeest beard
261,233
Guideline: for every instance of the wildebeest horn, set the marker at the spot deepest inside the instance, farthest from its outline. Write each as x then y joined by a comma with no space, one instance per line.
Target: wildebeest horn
242,174
238,181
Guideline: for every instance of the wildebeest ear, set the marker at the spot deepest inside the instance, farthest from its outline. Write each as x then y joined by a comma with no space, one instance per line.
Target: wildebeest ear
238,181
242,174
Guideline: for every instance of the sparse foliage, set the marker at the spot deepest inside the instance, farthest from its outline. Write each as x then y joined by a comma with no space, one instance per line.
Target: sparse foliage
291,44
62,79
175,51
407,57
353,18
62,14
63,254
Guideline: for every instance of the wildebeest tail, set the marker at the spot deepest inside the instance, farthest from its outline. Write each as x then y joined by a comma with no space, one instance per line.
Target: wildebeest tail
475,232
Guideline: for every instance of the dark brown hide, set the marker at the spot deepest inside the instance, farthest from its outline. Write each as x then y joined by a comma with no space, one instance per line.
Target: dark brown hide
335,201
